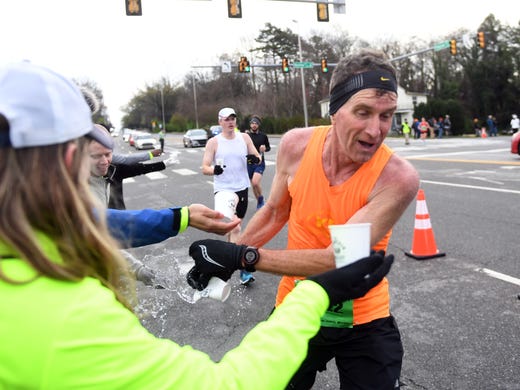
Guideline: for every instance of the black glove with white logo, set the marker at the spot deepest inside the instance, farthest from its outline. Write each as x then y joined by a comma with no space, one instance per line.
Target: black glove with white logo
197,280
214,258
252,159
354,280
218,170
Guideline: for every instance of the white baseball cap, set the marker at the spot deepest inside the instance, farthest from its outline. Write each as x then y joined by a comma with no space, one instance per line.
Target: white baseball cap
226,112
41,107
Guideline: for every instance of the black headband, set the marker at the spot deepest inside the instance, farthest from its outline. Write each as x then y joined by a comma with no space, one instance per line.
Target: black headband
379,79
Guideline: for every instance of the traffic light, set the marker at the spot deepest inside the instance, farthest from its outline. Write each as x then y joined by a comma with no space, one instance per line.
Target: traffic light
453,46
285,65
481,39
133,8
324,66
323,12
234,9
243,65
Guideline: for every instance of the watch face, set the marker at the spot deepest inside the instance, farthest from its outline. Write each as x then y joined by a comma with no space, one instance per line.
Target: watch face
251,256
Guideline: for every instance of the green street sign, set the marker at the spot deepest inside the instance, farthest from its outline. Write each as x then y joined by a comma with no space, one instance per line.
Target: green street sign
442,45
305,65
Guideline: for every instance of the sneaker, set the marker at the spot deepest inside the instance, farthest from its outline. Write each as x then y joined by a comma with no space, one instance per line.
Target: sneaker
260,203
246,278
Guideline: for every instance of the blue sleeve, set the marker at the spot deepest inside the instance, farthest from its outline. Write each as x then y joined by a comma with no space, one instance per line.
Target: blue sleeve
134,228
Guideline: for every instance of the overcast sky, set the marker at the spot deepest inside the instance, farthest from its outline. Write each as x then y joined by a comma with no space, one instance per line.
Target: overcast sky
95,40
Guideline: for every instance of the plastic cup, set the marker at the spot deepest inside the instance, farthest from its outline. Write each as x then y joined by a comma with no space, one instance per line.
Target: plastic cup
351,242
216,289
226,202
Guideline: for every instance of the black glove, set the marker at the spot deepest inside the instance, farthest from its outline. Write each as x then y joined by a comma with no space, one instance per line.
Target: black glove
252,159
216,258
354,280
197,280
218,170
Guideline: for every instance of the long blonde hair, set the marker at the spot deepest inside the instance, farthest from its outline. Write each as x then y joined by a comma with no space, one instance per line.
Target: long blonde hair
39,193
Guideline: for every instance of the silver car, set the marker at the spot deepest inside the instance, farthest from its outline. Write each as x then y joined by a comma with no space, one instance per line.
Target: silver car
195,137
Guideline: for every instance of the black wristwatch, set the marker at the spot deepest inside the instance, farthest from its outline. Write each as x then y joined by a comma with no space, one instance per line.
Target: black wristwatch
250,258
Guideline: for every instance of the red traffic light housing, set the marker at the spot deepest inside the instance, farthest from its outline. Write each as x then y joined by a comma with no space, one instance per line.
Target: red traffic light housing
453,46
481,39
285,65
324,66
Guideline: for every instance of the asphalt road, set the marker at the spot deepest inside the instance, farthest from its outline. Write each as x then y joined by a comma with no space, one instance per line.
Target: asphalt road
459,315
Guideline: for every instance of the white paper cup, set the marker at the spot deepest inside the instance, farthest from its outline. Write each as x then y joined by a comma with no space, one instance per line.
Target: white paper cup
216,289
351,242
226,202
219,161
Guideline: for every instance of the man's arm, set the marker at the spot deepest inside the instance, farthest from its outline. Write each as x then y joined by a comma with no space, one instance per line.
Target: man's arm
134,158
209,155
393,192
266,143
251,148
134,228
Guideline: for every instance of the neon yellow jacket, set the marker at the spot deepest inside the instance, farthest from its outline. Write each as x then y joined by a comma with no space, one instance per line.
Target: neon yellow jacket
67,335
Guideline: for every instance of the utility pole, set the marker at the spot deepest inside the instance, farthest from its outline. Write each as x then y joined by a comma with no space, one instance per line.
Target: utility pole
304,99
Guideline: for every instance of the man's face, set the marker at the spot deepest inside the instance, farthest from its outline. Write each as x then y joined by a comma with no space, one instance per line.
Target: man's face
254,126
228,123
362,123
100,159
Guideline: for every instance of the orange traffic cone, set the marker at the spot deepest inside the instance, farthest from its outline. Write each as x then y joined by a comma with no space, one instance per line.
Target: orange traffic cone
483,133
423,245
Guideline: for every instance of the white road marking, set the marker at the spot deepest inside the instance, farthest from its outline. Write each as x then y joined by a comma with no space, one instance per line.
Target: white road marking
498,275
185,171
469,186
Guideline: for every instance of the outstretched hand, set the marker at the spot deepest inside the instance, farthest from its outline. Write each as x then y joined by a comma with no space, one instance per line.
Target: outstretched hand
354,280
211,221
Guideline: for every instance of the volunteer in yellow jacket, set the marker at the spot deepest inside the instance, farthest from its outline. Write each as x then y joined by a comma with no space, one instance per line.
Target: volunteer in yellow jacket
66,321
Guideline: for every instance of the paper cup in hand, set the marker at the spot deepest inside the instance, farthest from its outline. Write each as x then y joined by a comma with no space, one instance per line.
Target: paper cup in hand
226,202
216,289
351,242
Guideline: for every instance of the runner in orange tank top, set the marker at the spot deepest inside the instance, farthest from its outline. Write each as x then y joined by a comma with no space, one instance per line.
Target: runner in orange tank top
333,175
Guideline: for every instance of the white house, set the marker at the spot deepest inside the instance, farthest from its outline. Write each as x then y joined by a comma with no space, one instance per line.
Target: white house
406,101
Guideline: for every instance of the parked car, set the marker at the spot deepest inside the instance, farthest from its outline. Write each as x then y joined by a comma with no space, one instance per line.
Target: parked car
515,141
195,137
133,134
215,130
145,141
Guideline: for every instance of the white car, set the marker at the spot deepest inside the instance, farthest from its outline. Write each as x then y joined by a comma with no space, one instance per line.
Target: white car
145,141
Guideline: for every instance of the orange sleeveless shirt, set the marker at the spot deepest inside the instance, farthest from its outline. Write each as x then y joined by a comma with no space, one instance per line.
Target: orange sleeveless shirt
316,205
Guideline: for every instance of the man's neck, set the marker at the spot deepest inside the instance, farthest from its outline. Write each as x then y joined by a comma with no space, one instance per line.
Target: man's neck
228,134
